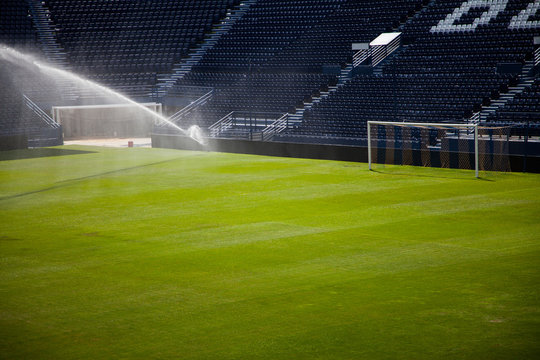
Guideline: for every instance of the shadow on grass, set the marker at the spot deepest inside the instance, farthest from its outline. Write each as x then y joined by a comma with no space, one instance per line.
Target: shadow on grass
38,153
69,182
437,176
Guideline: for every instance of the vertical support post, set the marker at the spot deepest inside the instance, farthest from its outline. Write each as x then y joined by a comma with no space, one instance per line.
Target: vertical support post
56,115
369,143
394,86
251,102
476,150
525,145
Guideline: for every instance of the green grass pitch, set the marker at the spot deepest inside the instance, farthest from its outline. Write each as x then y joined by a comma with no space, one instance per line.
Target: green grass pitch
155,254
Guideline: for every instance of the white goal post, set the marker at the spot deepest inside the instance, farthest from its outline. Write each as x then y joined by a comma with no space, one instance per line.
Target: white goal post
107,120
471,130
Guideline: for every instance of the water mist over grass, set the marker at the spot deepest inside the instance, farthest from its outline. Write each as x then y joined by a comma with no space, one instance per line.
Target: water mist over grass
27,70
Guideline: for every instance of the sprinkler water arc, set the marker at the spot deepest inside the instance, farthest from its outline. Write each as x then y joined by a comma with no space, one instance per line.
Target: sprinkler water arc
18,58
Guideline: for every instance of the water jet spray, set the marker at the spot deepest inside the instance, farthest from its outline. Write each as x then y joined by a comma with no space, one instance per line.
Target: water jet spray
18,58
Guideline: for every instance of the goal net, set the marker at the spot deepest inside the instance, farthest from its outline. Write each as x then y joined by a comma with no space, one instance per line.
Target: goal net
458,146
106,121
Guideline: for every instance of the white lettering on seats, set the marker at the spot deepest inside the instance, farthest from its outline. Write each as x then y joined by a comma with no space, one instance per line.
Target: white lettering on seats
448,24
521,20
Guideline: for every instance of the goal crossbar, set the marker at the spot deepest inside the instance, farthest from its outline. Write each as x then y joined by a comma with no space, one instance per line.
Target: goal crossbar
474,127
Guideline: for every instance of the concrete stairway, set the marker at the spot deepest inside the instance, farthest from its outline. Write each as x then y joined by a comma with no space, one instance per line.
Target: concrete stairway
47,35
54,53
416,15
166,82
297,118
525,81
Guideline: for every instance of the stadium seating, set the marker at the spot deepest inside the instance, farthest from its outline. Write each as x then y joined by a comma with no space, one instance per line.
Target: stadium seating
330,41
439,76
16,27
267,29
11,104
406,97
16,30
282,40
126,44
272,58
521,111
262,92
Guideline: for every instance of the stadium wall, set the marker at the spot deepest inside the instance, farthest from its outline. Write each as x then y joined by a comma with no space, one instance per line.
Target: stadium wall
13,142
518,163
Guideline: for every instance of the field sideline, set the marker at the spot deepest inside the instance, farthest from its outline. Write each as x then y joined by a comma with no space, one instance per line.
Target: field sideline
154,253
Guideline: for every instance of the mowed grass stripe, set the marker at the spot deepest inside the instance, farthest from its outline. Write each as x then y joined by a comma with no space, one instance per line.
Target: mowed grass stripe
152,253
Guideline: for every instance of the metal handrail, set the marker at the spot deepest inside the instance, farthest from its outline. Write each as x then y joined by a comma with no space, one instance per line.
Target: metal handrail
258,114
378,53
40,113
192,88
221,125
360,56
276,127
475,119
185,110
229,120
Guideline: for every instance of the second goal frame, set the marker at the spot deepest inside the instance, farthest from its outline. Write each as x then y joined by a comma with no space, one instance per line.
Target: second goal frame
473,127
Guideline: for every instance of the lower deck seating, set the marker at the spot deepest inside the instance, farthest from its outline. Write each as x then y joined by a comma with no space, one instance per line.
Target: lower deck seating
525,107
260,92
271,59
440,76
411,98
126,43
